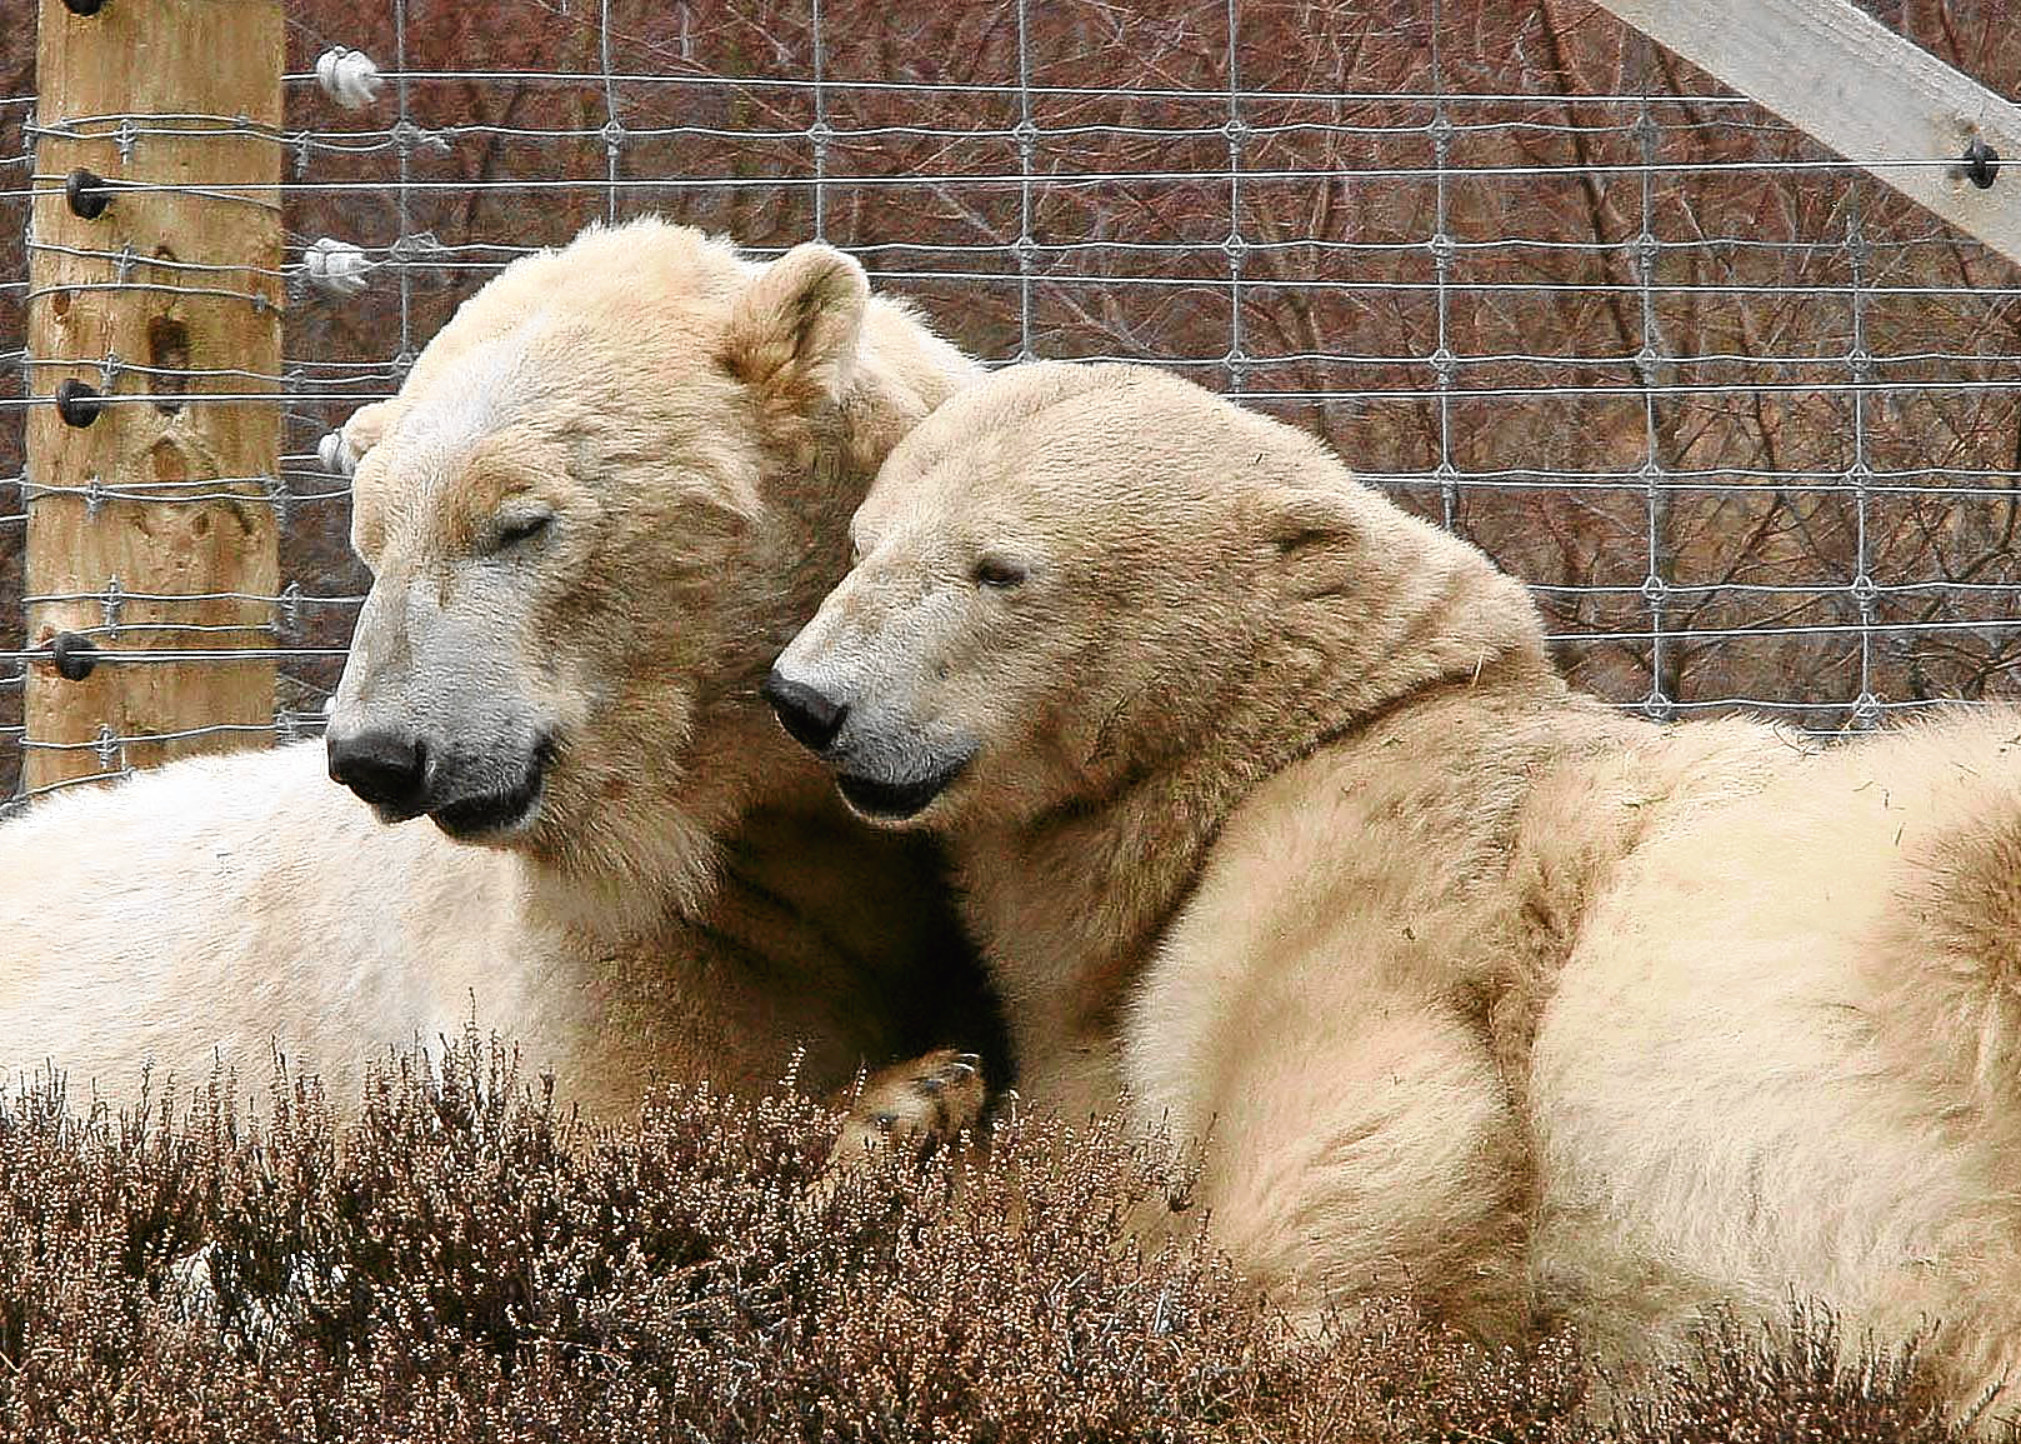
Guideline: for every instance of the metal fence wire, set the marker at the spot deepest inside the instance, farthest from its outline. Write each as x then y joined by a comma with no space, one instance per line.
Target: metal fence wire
1744,419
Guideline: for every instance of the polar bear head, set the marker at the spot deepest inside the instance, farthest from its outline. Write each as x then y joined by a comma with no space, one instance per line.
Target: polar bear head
1073,578
612,486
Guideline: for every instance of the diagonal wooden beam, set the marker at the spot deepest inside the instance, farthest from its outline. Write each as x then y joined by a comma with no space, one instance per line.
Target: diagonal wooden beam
1855,86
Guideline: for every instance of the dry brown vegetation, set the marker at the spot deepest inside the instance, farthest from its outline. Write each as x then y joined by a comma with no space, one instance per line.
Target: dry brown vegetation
472,1263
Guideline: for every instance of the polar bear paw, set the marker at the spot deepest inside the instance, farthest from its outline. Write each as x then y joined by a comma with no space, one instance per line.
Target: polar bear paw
918,1104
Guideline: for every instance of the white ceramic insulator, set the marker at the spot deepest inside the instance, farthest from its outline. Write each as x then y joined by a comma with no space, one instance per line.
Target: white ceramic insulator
348,77
337,267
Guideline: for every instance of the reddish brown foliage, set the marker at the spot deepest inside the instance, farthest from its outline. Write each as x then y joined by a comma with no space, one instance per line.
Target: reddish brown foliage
472,1264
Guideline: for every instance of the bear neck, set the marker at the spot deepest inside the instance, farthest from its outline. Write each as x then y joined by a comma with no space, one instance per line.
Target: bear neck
1070,906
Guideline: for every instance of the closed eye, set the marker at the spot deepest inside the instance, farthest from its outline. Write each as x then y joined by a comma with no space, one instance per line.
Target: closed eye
998,574
520,526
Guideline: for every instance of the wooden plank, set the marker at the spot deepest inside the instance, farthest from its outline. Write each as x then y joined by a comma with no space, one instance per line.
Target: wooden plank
164,58
1857,87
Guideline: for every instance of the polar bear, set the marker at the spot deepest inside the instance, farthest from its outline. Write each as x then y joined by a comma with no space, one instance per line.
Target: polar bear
1275,821
609,491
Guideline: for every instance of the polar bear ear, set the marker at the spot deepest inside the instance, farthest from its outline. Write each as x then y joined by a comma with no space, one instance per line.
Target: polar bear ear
795,328
1309,540
1297,521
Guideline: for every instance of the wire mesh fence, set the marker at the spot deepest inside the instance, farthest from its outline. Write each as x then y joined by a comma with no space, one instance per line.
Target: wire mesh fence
1744,419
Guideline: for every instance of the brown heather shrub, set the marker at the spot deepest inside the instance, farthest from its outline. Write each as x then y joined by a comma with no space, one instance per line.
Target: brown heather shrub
1811,1392
472,1262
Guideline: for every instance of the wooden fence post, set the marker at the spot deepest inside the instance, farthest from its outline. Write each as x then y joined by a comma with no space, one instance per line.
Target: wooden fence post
151,298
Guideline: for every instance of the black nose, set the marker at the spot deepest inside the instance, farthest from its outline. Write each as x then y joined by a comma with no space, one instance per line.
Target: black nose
381,765
811,717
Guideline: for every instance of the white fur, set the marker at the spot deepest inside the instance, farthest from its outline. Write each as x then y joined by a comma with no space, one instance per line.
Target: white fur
1275,821
686,899
196,912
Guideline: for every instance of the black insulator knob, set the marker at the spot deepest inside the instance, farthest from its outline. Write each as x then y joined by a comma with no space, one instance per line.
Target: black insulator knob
73,654
88,193
1982,163
78,403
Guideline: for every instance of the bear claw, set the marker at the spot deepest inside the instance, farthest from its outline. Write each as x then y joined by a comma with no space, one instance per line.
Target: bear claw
929,1101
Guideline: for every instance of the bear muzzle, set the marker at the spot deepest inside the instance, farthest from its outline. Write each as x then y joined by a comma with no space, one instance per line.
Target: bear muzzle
403,778
887,766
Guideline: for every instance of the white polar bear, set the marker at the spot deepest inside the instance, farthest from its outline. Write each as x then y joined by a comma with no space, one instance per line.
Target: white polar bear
674,891
1274,820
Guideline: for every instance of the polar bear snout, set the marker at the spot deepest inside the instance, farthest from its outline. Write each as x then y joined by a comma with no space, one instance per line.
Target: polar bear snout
484,794
888,765
501,802
385,766
809,715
